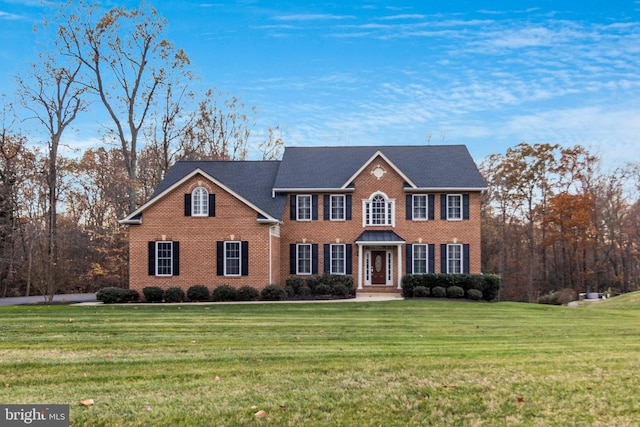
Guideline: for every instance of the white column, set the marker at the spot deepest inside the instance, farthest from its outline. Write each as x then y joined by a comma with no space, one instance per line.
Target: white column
360,266
399,266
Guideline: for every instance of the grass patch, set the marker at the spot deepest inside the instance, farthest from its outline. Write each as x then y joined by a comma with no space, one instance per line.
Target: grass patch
406,363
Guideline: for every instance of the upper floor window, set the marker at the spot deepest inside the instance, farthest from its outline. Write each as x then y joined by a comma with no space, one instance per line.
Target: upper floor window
337,207
200,202
454,206
420,209
379,211
303,204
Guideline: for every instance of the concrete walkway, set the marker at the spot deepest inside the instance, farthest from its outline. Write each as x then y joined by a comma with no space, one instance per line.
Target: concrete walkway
91,299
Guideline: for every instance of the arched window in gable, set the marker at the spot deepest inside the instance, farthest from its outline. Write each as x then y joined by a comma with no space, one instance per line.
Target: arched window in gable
200,202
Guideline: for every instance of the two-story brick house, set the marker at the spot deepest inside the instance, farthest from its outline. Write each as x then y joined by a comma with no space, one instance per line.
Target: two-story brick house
376,213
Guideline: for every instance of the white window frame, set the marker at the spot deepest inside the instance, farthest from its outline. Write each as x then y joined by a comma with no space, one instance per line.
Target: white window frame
457,215
455,263
426,207
338,262
425,258
388,211
199,202
299,259
167,269
335,205
301,215
227,251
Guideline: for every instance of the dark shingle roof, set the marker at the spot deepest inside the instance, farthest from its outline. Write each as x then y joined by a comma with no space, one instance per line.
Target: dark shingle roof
428,166
379,236
252,180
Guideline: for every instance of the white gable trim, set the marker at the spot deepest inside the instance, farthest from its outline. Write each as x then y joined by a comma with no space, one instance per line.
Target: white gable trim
129,219
368,162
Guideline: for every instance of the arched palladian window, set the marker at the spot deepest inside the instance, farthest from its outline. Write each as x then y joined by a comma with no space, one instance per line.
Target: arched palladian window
199,202
379,210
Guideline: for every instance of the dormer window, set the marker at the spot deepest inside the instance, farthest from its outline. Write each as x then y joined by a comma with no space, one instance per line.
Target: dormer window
379,210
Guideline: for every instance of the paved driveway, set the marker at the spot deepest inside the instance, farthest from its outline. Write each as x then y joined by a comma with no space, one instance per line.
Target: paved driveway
65,298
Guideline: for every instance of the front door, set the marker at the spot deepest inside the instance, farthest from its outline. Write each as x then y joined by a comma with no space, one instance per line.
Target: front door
378,267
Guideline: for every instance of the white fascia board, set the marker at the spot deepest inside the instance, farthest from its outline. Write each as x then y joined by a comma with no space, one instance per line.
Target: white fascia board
444,189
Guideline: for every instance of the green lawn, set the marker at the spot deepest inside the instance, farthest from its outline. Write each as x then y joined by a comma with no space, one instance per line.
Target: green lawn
395,363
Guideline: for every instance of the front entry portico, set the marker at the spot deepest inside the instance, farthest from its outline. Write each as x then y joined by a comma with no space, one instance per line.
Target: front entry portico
379,259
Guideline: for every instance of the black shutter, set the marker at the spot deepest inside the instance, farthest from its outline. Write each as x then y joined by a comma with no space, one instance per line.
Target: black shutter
443,206
187,204
348,251
432,258
431,206
314,207
314,258
292,258
152,258
465,206
409,259
212,205
327,258
443,258
327,207
176,258
409,205
465,259
292,204
245,258
347,207
220,258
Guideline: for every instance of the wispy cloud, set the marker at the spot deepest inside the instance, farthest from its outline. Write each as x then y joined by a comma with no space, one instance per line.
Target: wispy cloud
10,16
312,17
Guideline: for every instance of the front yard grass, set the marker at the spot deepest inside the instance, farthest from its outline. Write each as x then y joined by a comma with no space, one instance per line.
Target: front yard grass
395,363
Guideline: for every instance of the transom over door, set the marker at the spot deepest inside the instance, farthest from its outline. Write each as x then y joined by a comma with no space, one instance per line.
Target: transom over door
378,267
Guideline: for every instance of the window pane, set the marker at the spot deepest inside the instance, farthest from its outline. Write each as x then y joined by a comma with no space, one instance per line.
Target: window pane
304,259
454,259
419,259
454,207
232,258
419,207
378,210
200,202
164,258
337,207
304,207
337,259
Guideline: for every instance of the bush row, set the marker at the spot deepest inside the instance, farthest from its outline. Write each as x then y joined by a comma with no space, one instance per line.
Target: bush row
195,293
325,286
484,286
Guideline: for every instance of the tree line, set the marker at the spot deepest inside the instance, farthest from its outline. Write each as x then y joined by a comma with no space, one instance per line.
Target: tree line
553,220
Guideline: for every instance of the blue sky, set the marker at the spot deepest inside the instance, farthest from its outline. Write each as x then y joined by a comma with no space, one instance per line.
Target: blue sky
488,74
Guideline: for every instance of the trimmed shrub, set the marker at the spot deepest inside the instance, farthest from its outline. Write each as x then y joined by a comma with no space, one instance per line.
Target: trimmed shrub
438,292
173,295
323,289
296,283
409,283
421,292
491,288
247,293
153,294
198,293
112,295
340,290
474,294
273,293
455,292
224,293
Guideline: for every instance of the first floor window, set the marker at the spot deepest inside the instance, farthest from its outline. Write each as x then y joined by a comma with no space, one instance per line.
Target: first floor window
303,259
337,259
232,258
420,259
164,258
454,259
